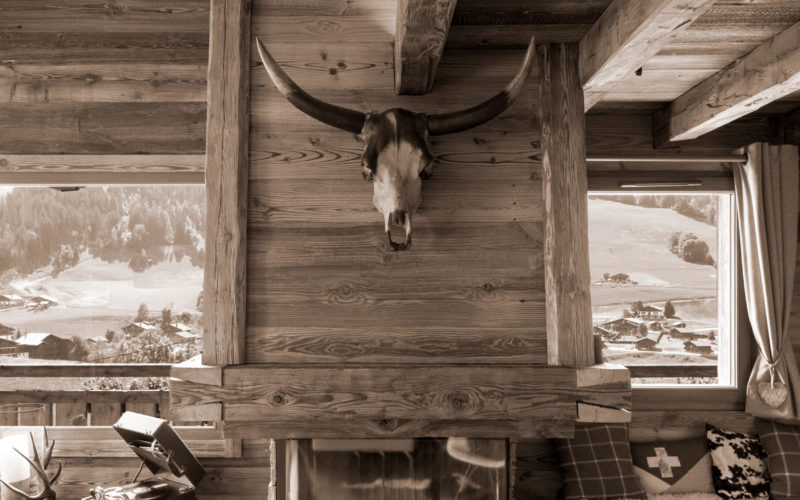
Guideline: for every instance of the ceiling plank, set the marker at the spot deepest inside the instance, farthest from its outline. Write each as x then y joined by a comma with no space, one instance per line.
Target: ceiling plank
626,36
420,37
768,73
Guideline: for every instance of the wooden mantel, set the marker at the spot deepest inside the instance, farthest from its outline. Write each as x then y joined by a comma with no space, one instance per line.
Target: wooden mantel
381,401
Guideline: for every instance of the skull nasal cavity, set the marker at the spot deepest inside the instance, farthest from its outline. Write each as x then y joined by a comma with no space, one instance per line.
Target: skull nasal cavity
398,217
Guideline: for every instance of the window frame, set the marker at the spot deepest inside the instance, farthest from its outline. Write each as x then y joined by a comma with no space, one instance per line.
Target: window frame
692,397
187,170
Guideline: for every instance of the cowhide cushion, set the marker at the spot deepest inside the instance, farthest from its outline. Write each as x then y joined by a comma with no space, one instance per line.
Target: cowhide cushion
738,466
682,466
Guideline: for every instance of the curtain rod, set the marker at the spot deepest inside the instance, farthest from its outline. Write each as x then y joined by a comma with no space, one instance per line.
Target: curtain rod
668,159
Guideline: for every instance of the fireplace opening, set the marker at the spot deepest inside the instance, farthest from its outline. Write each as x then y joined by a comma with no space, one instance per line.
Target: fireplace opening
396,469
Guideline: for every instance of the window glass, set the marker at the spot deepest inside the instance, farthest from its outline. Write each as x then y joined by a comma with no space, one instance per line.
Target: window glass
104,274
660,284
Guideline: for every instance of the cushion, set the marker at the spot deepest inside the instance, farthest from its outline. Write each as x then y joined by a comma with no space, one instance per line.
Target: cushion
596,463
738,466
682,466
782,444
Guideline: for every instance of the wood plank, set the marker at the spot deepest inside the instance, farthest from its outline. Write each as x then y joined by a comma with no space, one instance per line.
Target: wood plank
566,244
766,74
454,392
445,200
591,413
226,183
72,414
102,128
103,82
101,169
86,370
24,396
100,16
682,424
626,36
56,48
537,476
420,35
193,370
388,428
104,413
426,345
375,27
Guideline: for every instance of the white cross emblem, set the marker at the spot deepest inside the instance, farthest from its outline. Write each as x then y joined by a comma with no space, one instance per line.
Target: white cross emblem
664,462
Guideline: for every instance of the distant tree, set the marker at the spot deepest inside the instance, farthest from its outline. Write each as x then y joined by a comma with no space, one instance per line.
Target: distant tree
166,316
79,350
637,306
642,330
110,334
199,305
606,276
712,336
669,310
185,318
142,314
626,313
672,242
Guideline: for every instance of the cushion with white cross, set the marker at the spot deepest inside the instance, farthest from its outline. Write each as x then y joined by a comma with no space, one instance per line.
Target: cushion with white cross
682,466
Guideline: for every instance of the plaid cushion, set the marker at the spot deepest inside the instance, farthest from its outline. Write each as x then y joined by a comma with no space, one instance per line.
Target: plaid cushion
596,463
782,444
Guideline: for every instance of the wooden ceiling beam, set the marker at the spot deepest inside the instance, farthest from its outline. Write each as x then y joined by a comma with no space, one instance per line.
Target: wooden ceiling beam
771,71
419,41
626,36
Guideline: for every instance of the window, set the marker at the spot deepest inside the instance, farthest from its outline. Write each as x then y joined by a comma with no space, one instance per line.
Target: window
664,287
101,275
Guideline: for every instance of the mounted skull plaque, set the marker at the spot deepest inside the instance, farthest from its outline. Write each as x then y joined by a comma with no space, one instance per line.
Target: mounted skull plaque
396,153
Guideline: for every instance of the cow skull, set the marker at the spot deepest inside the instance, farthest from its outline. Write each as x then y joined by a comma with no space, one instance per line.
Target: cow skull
396,153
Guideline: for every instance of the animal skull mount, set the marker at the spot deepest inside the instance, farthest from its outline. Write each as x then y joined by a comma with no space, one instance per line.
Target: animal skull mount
40,466
396,152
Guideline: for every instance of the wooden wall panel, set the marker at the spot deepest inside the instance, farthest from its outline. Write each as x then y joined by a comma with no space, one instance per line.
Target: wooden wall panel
322,284
93,77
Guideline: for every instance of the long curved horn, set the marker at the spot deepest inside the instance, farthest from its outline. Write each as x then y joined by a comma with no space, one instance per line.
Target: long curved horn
336,116
448,123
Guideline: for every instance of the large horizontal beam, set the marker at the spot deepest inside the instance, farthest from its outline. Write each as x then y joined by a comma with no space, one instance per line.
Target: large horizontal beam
419,40
768,73
626,36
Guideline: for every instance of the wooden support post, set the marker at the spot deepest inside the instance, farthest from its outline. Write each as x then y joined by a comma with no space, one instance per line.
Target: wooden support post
564,183
226,183
419,40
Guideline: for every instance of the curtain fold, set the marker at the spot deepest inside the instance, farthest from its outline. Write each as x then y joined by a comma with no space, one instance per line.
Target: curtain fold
767,193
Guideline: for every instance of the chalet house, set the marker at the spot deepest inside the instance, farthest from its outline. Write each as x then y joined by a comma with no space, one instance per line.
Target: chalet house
40,302
45,346
8,346
650,312
10,300
323,135
6,330
650,342
698,346
137,328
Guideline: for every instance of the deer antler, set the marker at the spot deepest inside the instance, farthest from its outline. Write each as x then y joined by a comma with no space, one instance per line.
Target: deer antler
41,471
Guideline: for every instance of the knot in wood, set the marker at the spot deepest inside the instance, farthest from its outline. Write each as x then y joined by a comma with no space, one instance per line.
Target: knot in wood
459,401
488,288
279,399
387,424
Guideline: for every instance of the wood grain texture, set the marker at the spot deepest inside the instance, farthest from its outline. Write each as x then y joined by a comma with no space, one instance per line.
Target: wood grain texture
226,183
566,245
425,345
103,82
419,40
766,74
85,370
626,36
400,428
450,392
59,48
101,16
102,128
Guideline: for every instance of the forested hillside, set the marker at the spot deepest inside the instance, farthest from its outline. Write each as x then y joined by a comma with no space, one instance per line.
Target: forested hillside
139,225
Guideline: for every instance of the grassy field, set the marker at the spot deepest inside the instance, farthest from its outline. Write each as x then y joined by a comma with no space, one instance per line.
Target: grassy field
95,296
633,240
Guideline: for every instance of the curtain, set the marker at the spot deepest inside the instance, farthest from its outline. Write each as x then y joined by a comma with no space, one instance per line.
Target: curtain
767,192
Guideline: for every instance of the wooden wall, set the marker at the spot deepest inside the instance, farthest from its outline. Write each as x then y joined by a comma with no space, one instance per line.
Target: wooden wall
322,284
119,87
101,78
